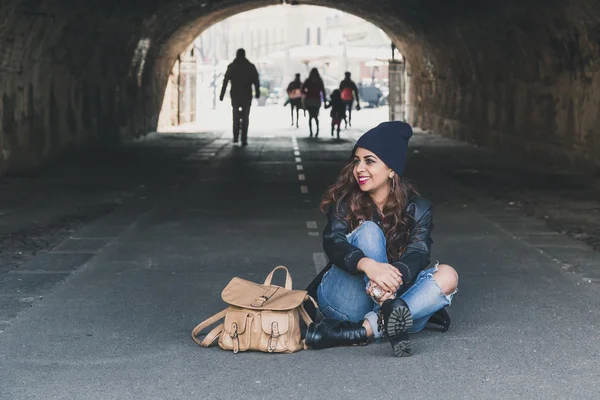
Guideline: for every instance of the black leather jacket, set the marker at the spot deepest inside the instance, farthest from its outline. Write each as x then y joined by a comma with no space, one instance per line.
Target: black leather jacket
344,255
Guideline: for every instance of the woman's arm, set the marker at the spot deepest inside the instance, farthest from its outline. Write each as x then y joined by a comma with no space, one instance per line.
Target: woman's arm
304,87
417,254
352,259
339,251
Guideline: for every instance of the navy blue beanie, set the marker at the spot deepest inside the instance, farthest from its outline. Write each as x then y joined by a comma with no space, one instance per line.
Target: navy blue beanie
388,141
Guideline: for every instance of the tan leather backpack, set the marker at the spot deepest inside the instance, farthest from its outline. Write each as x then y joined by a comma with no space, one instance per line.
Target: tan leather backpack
259,317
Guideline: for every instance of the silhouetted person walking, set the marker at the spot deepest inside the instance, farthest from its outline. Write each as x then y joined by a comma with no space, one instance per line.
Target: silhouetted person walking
349,92
242,74
314,94
338,111
295,97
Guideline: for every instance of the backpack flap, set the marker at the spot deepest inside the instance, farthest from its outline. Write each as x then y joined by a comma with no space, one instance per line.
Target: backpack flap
245,294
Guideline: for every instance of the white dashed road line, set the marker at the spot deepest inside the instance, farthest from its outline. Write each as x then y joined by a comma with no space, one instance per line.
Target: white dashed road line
319,259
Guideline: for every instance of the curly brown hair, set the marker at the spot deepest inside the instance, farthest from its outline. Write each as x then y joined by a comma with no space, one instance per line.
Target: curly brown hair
396,223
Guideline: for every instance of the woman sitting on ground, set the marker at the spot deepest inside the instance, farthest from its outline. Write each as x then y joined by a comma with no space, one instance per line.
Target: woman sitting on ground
378,241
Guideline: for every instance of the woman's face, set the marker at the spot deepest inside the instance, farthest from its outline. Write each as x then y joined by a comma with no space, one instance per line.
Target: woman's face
372,175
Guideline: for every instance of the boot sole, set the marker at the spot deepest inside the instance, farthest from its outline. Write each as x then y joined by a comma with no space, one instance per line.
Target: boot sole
399,323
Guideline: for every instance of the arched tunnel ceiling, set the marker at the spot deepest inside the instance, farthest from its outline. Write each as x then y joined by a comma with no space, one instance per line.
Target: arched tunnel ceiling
518,75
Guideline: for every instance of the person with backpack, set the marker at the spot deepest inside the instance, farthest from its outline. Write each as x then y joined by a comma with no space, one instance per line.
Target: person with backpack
243,75
349,93
295,97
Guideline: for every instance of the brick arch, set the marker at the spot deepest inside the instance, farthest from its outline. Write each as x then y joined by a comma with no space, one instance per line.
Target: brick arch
519,75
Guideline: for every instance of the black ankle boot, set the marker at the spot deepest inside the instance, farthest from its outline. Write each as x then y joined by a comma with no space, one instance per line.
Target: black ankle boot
440,318
397,320
330,332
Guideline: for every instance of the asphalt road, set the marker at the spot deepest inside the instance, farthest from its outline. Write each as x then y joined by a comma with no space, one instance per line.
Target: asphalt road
109,310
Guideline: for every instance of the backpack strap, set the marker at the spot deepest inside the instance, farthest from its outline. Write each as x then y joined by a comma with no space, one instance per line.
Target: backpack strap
307,319
312,300
303,313
288,277
213,334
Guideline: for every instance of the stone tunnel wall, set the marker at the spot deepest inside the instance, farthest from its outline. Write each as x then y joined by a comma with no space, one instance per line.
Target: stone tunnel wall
50,100
525,80
516,75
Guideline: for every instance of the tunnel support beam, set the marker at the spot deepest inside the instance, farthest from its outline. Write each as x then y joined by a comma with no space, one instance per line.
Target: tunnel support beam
397,85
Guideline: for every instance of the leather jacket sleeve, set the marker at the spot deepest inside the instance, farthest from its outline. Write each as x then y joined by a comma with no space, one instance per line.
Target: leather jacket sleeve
417,254
339,251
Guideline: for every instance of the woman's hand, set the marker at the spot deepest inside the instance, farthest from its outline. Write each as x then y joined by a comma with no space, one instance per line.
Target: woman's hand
379,294
386,296
386,276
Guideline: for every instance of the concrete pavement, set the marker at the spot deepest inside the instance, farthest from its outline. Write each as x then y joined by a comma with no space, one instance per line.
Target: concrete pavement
116,322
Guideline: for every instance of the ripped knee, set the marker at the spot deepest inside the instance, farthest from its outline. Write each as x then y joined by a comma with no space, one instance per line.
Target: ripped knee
447,278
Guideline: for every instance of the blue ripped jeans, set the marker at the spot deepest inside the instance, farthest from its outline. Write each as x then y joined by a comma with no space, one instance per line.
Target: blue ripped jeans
343,296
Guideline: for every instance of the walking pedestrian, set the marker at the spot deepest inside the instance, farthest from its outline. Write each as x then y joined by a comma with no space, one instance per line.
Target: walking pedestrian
378,241
338,111
295,97
314,93
243,75
349,93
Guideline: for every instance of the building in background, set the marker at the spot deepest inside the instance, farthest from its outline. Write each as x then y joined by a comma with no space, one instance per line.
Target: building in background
179,102
281,41
367,47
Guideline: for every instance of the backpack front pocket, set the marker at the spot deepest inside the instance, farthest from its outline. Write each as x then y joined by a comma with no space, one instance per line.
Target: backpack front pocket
237,333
